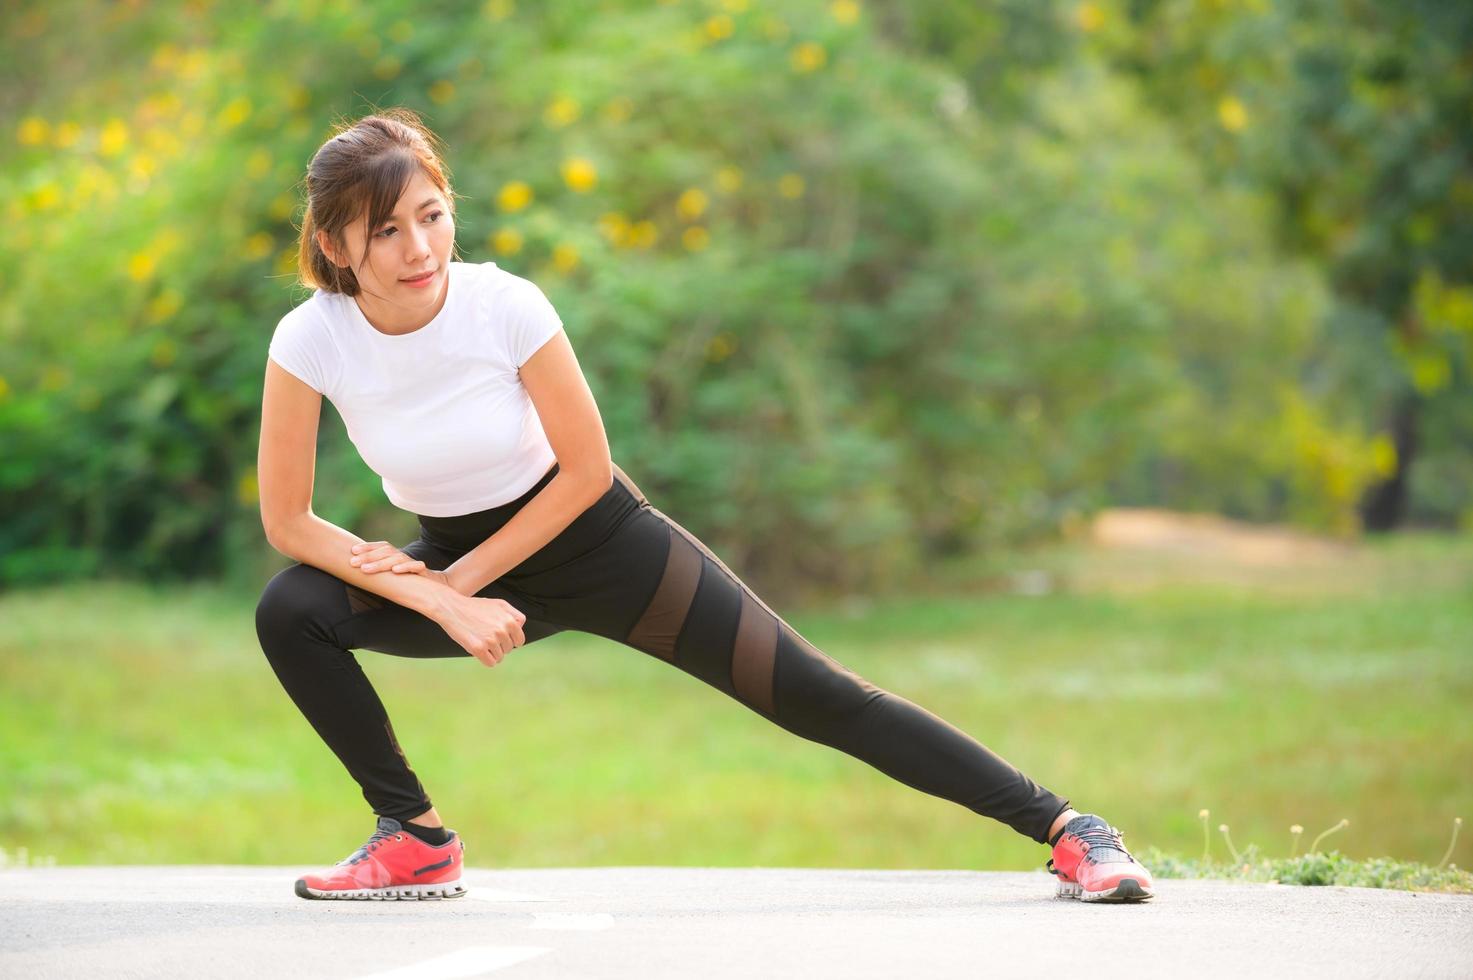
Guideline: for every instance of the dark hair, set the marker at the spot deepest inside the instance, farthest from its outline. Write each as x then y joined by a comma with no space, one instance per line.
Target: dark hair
366,166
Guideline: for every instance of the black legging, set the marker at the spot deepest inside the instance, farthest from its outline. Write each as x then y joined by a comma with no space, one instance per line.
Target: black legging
622,570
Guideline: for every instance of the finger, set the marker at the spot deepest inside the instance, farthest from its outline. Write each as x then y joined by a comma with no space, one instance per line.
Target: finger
381,552
365,545
409,566
517,638
381,558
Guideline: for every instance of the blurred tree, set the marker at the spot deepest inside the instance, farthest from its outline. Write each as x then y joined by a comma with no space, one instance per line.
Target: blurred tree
843,311
1356,116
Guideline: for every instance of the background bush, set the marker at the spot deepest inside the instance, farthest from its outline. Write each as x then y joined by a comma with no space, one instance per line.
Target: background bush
854,287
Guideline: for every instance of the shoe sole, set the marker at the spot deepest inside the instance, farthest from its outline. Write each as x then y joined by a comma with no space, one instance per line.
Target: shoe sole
393,893
1125,890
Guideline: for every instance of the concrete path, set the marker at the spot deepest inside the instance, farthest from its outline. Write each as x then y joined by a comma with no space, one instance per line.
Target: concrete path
232,921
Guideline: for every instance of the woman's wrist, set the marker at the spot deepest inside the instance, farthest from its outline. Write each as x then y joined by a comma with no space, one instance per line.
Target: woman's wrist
433,598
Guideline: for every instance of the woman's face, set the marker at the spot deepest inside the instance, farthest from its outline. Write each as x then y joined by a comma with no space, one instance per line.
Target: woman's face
418,237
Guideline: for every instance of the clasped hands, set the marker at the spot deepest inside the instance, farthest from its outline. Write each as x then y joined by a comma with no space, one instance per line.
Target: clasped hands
488,628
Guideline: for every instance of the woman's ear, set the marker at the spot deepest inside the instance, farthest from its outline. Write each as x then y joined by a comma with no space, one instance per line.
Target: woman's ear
325,243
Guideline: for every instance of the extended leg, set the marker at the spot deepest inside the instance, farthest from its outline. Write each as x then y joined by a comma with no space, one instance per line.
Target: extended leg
682,604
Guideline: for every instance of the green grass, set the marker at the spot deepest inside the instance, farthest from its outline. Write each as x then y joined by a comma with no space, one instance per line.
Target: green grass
140,725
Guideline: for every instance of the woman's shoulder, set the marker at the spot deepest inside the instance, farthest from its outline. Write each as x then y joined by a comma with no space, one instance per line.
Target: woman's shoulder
314,313
493,279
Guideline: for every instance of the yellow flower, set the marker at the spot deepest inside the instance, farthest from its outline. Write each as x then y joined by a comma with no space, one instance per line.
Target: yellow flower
45,197
401,31
561,111
164,353
442,91
615,227
719,27
500,9
619,109
565,257
808,56
790,185
141,168
844,11
236,111
192,65
165,56
141,267
281,207
55,377
163,141
695,238
1383,456
728,179
66,134
736,6
113,139
32,131
258,164
579,174
298,96
1232,114
643,234
507,241
513,196
720,348
387,67
691,204
1089,17
4,389
258,246
165,305
246,488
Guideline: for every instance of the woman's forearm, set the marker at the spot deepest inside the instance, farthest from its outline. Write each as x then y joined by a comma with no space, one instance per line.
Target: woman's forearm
539,521
312,541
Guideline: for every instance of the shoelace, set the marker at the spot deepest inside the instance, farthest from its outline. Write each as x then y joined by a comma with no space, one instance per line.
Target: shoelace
1096,837
1104,837
369,846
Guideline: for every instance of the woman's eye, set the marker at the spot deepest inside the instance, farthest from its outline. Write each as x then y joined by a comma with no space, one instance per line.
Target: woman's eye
432,214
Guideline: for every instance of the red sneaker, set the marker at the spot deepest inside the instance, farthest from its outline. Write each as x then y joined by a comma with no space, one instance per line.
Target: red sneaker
392,864
1093,865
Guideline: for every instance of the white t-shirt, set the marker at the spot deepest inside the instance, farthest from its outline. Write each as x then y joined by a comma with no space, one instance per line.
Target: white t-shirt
439,413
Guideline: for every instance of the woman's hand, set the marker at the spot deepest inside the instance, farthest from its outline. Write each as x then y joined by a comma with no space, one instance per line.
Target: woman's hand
489,629
378,556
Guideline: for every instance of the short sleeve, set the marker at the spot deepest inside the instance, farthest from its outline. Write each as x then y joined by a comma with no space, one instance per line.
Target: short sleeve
294,347
530,320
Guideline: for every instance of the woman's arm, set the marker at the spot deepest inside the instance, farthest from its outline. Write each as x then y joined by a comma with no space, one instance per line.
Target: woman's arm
285,463
575,431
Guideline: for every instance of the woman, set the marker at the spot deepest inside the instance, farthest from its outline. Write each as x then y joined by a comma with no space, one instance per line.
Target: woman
460,389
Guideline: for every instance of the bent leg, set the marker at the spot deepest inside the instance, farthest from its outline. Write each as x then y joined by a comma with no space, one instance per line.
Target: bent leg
308,620
692,611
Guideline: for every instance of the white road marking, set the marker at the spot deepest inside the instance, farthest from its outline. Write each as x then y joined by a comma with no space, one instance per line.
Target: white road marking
597,920
468,962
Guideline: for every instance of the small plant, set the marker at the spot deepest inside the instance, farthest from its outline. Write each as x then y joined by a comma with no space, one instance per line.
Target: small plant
1457,823
1314,867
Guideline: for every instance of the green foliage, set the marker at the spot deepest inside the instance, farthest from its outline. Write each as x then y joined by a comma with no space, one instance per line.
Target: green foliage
1354,117
1333,868
853,289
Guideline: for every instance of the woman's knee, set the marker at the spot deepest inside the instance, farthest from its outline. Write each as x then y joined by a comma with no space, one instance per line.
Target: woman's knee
299,599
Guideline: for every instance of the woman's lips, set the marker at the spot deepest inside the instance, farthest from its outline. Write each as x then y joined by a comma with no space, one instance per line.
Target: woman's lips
428,278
